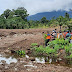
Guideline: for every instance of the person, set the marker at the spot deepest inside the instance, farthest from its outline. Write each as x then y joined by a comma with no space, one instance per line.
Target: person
57,34
64,34
71,34
68,34
71,37
60,35
47,38
53,35
55,30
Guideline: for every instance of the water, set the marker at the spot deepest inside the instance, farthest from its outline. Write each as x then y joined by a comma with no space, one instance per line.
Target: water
8,60
43,60
40,60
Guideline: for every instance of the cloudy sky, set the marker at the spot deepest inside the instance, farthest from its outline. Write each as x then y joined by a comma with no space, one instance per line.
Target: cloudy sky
36,6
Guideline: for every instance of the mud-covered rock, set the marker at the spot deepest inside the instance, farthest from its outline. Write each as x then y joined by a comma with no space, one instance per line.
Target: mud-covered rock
32,58
12,33
1,35
3,61
12,51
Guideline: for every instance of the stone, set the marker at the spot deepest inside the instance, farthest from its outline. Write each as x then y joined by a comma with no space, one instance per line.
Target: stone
3,61
32,58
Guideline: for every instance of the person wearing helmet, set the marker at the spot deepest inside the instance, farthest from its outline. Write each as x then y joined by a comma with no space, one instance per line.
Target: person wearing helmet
53,35
47,38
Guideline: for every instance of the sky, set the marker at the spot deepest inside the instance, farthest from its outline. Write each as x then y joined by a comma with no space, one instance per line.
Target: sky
36,6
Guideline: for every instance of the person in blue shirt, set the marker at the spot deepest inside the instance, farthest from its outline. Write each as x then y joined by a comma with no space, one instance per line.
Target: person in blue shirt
68,34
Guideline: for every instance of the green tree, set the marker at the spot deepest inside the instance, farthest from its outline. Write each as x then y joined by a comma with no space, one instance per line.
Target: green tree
43,20
6,13
21,12
60,20
69,24
2,22
67,15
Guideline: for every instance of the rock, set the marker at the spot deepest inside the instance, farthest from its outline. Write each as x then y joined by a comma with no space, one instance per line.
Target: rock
12,33
26,52
32,58
7,51
1,35
3,61
25,32
12,64
12,51
28,49
42,32
25,39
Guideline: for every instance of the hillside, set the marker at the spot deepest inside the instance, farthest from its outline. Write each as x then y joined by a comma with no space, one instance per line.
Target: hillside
48,15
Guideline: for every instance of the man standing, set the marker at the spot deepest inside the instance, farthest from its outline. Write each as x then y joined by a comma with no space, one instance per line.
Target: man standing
47,38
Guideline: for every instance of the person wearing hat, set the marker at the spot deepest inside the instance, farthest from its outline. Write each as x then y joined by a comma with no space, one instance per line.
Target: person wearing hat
47,38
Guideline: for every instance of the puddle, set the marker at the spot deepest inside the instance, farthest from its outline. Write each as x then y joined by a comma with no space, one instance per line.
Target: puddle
43,60
40,60
8,60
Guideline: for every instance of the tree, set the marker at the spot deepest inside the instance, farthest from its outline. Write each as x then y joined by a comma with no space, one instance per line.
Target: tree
21,12
2,22
60,20
67,15
69,25
6,13
43,20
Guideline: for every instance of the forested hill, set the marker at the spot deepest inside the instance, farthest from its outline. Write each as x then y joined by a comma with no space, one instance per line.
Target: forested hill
49,15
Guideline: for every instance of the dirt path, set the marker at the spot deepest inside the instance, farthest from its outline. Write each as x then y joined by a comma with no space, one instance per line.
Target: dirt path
22,39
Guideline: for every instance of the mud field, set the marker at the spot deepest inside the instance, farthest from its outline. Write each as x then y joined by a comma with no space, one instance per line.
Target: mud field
21,40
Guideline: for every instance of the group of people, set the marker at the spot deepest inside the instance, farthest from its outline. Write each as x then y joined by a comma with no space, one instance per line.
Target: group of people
60,34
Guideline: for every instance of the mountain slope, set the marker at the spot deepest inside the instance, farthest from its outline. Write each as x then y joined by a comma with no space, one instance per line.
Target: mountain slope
48,15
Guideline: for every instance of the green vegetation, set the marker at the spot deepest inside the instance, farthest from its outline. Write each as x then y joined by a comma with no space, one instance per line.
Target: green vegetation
53,48
34,44
45,35
20,53
17,19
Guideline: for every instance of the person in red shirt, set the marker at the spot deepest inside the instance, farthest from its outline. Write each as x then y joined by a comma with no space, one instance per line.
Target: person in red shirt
64,34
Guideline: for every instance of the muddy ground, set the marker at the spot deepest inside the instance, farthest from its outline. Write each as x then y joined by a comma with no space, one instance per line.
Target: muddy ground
21,40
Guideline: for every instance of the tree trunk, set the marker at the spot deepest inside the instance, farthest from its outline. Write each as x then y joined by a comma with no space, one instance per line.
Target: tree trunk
60,28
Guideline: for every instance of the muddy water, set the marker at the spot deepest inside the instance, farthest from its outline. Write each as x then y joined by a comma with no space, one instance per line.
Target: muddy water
12,58
7,60
47,60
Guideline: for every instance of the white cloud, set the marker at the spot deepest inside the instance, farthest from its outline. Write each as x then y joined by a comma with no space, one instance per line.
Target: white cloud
36,6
